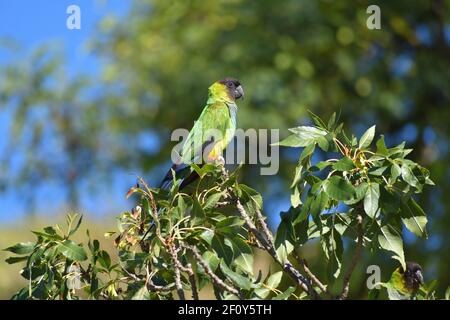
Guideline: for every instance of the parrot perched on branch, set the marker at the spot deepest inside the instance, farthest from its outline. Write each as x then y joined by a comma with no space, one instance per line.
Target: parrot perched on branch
209,136
211,133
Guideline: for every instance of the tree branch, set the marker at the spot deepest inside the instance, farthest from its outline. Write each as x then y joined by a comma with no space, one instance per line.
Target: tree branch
176,265
355,259
313,278
264,226
219,282
266,240
190,272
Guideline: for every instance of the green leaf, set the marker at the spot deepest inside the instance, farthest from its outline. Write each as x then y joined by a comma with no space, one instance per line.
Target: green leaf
304,161
338,188
33,272
377,171
306,153
243,255
360,193
390,239
319,204
212,201
413,217
297,176
319,122
284,240
396,171
308,135
48,236
104,259
333,249
342,221
272,283
367,138
223,248
295,198
198,214
131,260
344,164
319,166
21,248
207,235
408,176
292,141
141,294
239,280
109,234
285,295
324,142
212,260
381,147
275,279
229,226
315,230
72,251
332,121
253,195
73,230
204,170
12,260
371,199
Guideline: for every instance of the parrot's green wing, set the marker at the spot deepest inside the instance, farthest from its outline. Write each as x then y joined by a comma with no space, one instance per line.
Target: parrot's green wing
209,136
214,127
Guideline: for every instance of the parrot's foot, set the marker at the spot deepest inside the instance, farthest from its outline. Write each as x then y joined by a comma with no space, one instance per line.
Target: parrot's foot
220,161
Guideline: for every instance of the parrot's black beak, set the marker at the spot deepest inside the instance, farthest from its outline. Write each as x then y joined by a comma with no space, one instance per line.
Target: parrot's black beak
239,92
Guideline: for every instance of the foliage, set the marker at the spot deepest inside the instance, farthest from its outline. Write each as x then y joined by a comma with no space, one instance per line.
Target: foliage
377,186
207,234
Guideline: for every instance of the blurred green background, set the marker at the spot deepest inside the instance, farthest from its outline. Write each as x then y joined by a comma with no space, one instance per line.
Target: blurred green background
82,112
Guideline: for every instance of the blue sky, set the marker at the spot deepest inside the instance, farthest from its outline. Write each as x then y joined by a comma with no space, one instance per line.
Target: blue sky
31,24
34,23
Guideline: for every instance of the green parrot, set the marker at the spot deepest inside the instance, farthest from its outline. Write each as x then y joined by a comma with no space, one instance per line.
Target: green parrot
211,133
200,146
406,283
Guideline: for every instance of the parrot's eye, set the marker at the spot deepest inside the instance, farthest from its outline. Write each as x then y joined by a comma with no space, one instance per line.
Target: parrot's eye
230,84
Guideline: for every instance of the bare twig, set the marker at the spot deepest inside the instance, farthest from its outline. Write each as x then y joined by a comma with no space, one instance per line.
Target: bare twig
176,265
191,274
219,282
149,283
264,226
260,237
265,239
255,243
355,259
224,170
313,278
153,287
192,282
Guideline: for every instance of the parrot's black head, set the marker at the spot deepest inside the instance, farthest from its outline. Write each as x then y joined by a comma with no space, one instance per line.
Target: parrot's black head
413,275
233,87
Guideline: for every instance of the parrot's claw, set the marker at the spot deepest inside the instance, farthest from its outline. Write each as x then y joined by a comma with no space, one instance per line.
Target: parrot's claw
220,161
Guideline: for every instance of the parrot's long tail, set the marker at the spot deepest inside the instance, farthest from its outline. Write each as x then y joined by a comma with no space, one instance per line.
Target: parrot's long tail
180,171
167,181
